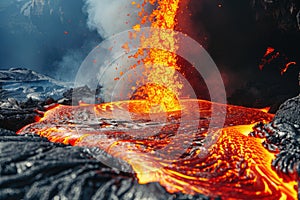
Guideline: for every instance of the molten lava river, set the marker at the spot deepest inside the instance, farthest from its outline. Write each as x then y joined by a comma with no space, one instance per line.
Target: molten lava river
162,147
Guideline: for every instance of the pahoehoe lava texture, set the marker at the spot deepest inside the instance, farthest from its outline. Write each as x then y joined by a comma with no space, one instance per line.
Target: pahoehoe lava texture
34,168
283,136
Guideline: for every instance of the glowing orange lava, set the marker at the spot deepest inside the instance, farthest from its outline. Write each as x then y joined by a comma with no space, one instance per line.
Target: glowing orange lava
237,166
271,55
287,67
158,98
159,65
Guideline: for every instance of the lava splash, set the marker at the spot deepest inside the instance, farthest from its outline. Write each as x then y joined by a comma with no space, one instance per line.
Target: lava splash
161,147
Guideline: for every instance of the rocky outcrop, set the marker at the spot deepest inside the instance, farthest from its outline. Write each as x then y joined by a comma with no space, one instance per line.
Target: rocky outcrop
282,136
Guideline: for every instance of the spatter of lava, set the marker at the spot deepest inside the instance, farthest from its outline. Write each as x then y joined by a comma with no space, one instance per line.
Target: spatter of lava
159,65
161,147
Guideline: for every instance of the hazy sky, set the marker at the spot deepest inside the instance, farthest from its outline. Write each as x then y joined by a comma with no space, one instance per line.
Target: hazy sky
56,37
44,38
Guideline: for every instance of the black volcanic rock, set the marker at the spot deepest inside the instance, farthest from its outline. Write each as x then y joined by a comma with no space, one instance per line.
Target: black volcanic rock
33,168
80,94
289,112
24,93
14,115
22,84
284,12
16,119
282,136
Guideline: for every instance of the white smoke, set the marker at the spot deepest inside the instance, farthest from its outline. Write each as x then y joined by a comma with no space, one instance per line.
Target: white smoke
109,17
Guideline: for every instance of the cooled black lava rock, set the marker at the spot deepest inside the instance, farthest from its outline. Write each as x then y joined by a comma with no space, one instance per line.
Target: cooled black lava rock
16,119
33,168
286,13
75,95
283,136
22,84
14,114
289,112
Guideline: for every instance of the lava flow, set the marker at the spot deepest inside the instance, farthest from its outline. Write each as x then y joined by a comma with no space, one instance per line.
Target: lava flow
161,147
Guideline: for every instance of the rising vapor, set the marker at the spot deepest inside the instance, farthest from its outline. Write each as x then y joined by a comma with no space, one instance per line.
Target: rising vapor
109,17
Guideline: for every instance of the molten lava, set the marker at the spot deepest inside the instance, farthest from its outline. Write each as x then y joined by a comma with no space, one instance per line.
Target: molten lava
158,98
161,147
159,65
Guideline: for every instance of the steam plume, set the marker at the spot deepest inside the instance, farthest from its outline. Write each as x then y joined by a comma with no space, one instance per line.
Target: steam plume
112,16
109,17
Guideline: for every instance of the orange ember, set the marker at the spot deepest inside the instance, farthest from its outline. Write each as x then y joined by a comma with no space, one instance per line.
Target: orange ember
266,109
269,51
161,147
271,55
287,67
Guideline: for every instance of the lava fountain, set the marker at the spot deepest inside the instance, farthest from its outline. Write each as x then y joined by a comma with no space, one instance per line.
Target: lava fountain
163,137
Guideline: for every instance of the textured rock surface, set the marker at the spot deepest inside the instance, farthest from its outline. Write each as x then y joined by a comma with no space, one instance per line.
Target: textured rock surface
16,114
33,168
22,84
289,111
283,136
